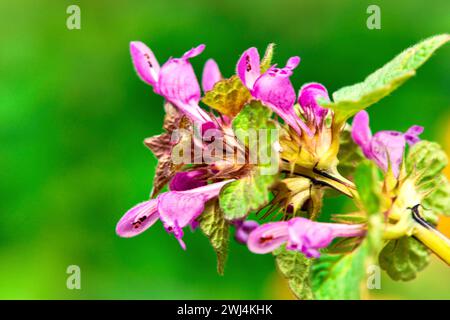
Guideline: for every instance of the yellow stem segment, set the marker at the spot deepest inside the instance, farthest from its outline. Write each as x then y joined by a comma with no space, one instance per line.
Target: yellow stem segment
434,240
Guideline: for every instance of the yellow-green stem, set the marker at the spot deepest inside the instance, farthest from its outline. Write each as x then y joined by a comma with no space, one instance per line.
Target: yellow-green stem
435,241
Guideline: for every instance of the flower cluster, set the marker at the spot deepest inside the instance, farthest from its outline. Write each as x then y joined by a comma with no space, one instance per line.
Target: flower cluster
223,193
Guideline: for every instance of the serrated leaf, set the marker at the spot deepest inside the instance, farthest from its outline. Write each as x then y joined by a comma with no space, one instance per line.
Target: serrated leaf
254,118
438,201
339,276
349,155
228,96
296,268
368,186
426,158
425,162
216,228
403,258
349,100
250,193
266,61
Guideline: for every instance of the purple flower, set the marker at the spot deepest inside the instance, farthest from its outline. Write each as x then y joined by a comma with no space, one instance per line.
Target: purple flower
385,146
187,180
307,98
175,209
243,229
273,87
301,235
175,80
211,75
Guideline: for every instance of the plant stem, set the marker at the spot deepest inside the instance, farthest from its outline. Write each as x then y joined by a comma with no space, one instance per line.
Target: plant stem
434,240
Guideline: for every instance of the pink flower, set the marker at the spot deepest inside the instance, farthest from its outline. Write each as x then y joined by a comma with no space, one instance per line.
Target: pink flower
175,209
273,87
175,80
385,146
243,229
301,235
307,98
211,75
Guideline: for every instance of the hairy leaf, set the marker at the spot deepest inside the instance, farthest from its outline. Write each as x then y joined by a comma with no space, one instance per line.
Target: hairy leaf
216,228
228,96
404,258
339,276
349,100
425,163
349,155
296,268
249,193
266,61
249,125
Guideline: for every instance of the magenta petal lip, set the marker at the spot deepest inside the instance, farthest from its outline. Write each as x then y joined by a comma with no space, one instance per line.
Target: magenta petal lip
138,219
176,209
307,98
211,75
301,235
248,67
385,147
145,63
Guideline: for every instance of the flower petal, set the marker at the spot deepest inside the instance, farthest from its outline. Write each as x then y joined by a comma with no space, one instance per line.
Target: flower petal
293,62
275,90
138,219
248,67
211,75
307,98
194,52
145,63
178,84
244,229
178,209
188,180
268,237
361,133
412,135
307,236
388,146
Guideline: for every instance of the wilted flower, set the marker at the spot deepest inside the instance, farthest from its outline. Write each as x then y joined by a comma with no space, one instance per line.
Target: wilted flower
301,235
385,147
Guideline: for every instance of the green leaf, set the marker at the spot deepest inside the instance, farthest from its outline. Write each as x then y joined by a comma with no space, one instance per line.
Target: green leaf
426,158
266,61
349,155
228,96
250,193
339,276
296,268
404,258
438,201
425,163
216,228
252,120
368,186
349,100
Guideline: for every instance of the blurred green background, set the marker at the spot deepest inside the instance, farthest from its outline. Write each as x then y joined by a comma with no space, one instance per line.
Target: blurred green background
73,116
